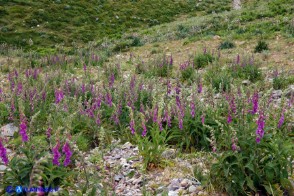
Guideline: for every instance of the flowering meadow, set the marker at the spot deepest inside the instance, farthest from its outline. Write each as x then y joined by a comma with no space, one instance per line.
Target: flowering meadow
66,105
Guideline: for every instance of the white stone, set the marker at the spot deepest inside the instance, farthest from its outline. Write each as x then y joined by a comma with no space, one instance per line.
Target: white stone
8,130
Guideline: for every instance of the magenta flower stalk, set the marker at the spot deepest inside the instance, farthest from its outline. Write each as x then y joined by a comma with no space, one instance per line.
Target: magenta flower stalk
199,87
238,60
44,95
1,92
281,121
98,119
19,88
144,132
234,147
83,88
23,129
203,119
229,119
192,106
160,124
169,87
167,118
85,67
66,150
133,83
260,127
155,114
108,99
56,154
111,80
48,132
254,103
58,96
132,126
3,153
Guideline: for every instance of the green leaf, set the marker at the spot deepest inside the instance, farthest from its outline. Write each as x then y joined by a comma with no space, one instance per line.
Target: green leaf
268,189
250,184
286,184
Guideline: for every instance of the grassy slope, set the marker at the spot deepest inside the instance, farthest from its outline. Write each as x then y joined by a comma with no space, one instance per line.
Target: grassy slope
49,22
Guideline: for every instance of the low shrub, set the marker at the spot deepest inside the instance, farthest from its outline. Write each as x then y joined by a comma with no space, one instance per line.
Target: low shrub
220,80
226,45
202,60
248,71
261,46
282,82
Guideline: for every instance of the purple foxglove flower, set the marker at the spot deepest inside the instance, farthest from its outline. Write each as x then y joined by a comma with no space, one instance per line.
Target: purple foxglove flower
160,124
178,89
111,80
23,129
168,87
229,120
180,122
85,67
108,99
44,95
203,119
234,147
142,109
15,73
281,121
98,119
144,132
3,153
238,60
255,103
56,154
83,88
133,83
199,87
19,88
132,126
167,118
66,150
155,114
48,132
1,93
58,96
260,127
192,105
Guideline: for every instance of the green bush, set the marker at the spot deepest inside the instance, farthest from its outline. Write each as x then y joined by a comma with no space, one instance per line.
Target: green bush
261,46
83,143
202,60
262,168
226,45
282,82
248,72
187,74
220,80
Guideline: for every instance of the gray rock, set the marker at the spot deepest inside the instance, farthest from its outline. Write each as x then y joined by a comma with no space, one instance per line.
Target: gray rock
173,193
218,96
8,130
246,82
289,92
174,185
185,183
127,145
169,154
192,189
277,94
118,177
2,167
